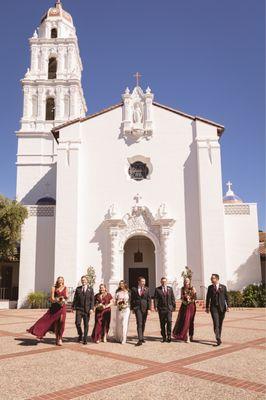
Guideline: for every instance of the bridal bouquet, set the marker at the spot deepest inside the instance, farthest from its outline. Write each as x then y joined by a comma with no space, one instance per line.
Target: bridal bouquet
122,305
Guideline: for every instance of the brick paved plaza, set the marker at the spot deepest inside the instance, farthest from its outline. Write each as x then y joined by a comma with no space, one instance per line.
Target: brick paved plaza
198,370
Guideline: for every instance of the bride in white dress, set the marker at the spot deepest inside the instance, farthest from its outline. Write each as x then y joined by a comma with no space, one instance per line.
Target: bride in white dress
122,301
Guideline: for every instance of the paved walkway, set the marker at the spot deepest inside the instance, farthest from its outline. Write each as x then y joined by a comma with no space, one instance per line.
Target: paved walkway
198,370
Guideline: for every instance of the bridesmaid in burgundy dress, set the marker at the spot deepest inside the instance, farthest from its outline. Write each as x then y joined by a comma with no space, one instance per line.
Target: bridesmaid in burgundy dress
184,326
54,319
102,302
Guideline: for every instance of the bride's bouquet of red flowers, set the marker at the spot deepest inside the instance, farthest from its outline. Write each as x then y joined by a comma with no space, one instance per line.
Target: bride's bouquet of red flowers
122,304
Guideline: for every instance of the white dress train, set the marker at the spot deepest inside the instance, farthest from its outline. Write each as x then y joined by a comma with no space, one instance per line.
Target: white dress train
122,317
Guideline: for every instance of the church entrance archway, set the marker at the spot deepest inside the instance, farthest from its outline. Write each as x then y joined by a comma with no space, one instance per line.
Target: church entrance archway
139,260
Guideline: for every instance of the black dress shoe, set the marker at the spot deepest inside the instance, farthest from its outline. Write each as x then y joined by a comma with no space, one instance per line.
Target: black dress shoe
219,342
139,343
163,340
85,342
169,340
79,339
143,341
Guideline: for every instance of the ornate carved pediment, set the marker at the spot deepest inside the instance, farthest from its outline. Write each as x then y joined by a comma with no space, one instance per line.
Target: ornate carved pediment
139,220
137,114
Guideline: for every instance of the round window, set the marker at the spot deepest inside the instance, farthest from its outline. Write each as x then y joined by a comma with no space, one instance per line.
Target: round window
138,171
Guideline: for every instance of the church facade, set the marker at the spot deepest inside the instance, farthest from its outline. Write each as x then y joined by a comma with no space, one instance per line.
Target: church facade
135,189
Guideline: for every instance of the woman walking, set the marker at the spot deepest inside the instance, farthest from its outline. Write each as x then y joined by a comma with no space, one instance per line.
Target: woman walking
54,319
122,301
102,303
184,326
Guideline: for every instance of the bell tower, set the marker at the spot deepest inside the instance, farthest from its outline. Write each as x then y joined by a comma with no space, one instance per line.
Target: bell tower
52,95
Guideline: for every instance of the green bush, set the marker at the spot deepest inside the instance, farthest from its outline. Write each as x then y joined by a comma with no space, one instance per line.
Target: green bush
254,296
235,298
38,300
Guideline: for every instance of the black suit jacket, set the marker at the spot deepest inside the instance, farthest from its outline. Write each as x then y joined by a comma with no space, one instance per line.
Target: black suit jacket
217,299
138,302
83,302
163,302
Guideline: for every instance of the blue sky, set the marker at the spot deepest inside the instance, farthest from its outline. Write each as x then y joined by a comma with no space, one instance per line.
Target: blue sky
203,57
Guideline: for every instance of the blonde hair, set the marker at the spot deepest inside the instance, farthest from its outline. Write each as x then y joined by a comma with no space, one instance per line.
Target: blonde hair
56,285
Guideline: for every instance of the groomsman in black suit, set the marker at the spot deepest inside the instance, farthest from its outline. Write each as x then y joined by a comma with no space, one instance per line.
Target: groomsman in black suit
217,303
164,302
83,303
140,304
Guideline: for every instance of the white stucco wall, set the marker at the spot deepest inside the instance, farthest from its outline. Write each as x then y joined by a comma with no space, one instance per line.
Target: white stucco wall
37,252
242,242
96,176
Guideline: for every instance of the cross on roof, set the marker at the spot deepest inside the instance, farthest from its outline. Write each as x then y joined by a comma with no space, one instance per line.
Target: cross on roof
229,184
137,76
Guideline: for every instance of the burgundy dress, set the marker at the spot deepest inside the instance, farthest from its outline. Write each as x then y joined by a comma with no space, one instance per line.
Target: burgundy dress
102,317
184,325
48,322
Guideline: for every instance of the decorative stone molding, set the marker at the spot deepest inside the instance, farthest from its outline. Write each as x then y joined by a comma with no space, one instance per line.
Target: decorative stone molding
138,221
137,114
236,209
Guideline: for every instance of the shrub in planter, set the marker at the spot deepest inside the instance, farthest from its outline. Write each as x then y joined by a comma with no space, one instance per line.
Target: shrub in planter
38,300
254,295
235,298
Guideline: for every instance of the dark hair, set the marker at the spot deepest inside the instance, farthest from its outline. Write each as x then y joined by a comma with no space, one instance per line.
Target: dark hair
84,276
125,286
216,276
104,285
141,277
163,277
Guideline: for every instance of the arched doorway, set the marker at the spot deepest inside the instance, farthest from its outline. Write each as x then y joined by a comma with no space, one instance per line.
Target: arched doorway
139,260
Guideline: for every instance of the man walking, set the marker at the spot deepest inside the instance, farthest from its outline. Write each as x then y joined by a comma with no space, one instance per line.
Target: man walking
141,305
217,303
164,302
83,303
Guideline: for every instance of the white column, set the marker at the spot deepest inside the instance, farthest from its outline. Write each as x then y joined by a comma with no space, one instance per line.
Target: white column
60,61
26,105
211,211
44,62
114,259
164,236
34,59
59,106
67,226
73,101
70,59
41,103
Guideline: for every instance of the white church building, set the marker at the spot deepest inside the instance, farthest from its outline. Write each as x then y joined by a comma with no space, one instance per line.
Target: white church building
135,189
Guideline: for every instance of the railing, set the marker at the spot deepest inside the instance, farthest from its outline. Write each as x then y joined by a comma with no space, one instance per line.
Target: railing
3,293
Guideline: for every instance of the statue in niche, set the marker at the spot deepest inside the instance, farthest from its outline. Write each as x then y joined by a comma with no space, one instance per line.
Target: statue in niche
137,114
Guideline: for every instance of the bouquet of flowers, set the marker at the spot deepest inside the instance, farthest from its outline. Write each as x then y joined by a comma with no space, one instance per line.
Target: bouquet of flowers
188,296
122,304
57,304
61,300
100,306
